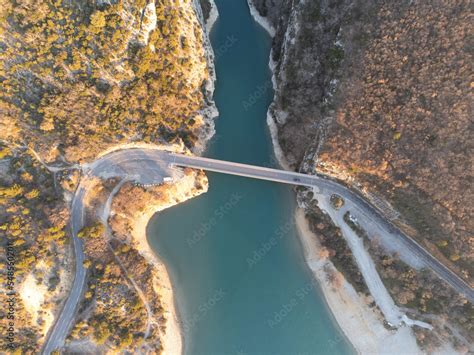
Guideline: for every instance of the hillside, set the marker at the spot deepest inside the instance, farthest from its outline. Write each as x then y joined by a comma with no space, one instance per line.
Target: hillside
379,96
79,78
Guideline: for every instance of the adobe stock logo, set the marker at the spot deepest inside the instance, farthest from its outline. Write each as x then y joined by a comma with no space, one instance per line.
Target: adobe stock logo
217,215
256,95
265,247
288,307
229,42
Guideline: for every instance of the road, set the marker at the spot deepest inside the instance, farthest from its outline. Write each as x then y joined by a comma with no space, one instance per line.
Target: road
148,166
123,164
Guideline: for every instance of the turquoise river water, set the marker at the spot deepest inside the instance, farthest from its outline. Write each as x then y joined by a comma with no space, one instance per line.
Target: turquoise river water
237,267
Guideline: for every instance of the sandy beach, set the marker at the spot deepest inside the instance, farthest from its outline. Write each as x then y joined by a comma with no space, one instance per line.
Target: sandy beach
361,325
172,337
183,190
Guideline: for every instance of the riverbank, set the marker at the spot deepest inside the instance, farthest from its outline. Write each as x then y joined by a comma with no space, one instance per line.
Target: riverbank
262,21
184,189
360,324
209,112
191,185
173,338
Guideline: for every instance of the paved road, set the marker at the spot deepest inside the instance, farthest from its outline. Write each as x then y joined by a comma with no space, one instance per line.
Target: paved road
149,166
64,322
131,164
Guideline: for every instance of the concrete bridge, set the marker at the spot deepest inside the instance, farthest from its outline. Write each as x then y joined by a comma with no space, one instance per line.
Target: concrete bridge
250,171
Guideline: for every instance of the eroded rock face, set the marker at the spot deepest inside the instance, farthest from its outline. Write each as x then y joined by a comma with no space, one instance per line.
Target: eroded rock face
273,10
307,54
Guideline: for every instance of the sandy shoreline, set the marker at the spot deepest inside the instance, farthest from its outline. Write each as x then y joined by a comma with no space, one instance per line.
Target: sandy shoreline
360,324
342,305
173,336
184,189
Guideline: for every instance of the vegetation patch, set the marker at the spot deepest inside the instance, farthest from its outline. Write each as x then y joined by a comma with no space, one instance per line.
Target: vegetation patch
339,252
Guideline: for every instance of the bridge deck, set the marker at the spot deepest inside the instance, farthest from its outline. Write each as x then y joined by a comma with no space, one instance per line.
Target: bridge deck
251,171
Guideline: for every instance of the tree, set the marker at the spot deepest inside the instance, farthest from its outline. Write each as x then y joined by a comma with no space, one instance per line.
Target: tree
32,194
11,192
97,22
93,231
4,152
